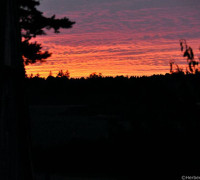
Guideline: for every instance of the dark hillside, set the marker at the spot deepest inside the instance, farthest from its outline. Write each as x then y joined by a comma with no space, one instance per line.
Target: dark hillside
151,122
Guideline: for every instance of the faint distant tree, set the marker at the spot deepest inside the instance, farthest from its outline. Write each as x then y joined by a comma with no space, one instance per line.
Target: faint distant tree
61,74
37,75
95,75
34,23
31,76
50,74
67,74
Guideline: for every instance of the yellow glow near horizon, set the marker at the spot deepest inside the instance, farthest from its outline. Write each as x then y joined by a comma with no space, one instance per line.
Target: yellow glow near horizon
132,59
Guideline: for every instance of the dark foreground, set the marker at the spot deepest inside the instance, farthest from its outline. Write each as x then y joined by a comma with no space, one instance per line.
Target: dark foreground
115,128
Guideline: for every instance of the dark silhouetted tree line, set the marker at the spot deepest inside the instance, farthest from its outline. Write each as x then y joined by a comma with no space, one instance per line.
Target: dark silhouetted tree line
146,116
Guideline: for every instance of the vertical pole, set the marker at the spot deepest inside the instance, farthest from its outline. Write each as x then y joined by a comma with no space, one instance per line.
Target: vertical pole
15,161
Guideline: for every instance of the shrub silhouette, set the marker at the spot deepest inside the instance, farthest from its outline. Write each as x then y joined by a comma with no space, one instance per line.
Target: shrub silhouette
189,54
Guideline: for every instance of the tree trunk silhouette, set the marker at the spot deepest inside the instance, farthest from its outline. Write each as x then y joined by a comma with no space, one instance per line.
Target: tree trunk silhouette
15,159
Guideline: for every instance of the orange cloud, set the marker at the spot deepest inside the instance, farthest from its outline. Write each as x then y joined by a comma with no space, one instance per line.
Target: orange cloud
121,42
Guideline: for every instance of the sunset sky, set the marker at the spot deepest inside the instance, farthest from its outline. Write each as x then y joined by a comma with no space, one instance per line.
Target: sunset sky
119,37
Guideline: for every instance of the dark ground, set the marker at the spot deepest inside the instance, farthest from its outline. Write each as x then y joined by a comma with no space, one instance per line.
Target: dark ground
115,128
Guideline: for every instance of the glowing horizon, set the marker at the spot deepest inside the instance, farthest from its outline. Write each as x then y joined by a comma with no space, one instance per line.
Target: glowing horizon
128,37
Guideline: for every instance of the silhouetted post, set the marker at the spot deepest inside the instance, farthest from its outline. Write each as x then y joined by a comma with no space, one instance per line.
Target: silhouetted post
14,140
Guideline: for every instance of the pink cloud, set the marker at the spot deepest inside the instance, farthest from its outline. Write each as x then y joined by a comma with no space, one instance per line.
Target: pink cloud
121,41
